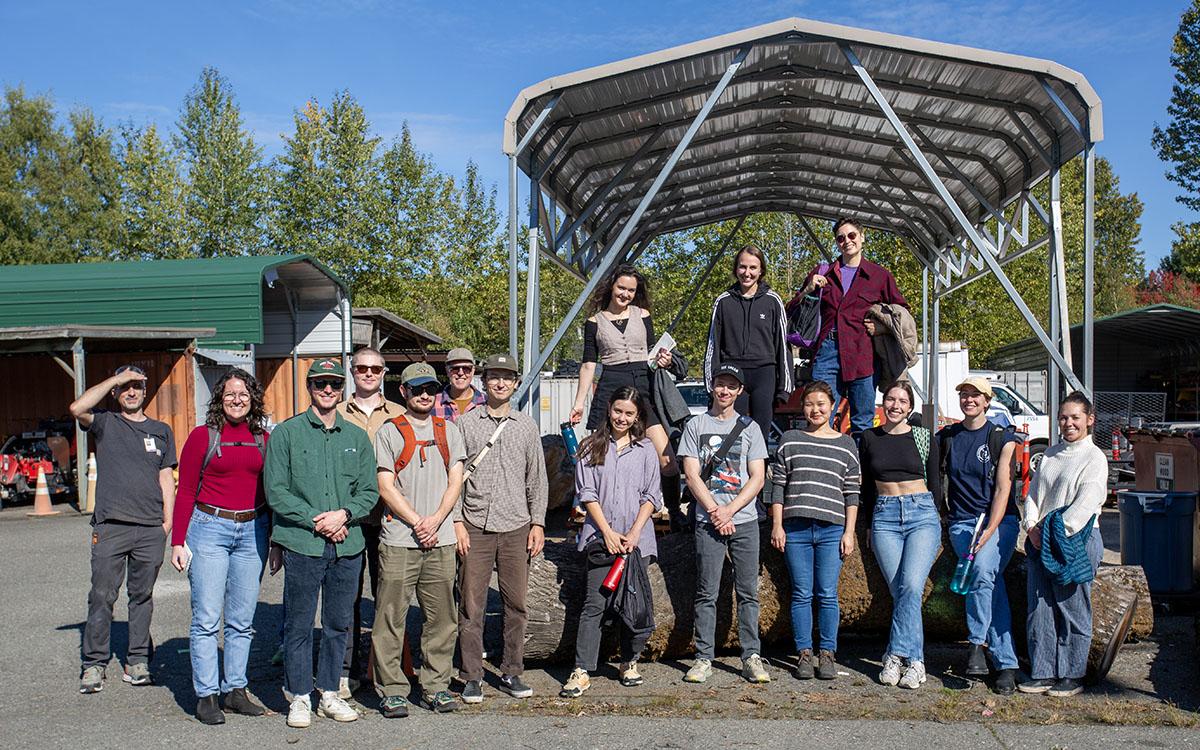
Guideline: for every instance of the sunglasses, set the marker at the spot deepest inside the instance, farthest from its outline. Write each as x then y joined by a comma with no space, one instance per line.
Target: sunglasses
426,389
323,383
373,369
847,236
462,368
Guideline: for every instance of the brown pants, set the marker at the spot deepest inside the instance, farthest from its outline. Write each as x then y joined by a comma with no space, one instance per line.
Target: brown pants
506,553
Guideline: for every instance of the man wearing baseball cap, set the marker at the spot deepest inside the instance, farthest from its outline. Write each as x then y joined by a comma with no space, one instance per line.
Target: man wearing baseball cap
502,527
420,459
135,501
460,395
977,458
725,489
320,481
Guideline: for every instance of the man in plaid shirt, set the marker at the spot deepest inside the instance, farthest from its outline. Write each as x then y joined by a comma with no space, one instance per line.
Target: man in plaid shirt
459,396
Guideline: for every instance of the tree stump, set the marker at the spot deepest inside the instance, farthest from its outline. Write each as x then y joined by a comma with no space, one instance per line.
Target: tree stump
556,582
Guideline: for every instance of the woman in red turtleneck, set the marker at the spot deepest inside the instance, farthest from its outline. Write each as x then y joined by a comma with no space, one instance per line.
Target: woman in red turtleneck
220,537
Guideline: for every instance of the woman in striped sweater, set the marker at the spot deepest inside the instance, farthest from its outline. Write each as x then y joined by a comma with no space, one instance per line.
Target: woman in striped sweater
814,504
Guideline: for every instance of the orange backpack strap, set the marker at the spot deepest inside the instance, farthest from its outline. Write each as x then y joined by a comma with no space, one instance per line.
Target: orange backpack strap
443,443
410,442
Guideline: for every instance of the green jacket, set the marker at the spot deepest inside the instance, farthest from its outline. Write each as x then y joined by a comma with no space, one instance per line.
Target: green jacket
309,470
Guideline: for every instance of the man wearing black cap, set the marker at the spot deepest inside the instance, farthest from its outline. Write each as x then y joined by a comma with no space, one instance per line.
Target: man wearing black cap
724,460
320,480
135,499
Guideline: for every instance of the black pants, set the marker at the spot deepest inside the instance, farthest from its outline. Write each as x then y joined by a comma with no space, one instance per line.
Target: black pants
122,552
353,665
758,399
591,618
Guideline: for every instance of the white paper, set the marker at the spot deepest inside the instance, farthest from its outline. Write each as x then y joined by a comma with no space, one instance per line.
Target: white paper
664,342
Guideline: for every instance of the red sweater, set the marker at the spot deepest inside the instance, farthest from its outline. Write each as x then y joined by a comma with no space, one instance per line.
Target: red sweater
233,480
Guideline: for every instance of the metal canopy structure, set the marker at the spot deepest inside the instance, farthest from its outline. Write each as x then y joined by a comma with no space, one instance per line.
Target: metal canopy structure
936,143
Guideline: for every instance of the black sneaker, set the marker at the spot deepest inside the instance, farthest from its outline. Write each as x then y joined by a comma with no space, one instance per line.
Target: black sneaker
441,702
513,685
1006,682
977,665
804,665
1065,688
1036,686
472,691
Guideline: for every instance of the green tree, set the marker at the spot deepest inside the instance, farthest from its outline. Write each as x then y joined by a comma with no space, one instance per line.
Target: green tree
1185,251
225,201
153,197
1179,142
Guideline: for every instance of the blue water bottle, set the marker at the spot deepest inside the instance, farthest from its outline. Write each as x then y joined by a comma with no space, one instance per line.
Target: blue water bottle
570,440
964,572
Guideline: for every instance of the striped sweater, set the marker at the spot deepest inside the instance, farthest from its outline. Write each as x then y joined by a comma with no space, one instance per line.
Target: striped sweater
815,477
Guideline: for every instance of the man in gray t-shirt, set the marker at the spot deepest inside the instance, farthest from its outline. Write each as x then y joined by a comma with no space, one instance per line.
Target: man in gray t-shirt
726,520
420,461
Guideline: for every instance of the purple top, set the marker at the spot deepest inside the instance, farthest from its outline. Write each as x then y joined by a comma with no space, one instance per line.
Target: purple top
621,485
848,273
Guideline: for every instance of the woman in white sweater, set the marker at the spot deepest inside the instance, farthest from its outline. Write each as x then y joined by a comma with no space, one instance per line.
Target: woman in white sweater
1072,477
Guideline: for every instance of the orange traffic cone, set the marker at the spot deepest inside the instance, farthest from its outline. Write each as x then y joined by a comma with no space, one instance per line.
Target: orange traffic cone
41,498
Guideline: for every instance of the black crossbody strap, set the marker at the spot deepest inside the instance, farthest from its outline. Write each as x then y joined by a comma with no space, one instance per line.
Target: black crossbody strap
742,423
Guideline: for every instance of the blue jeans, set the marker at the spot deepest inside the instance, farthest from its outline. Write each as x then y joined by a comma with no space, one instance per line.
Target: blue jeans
860,393
711,549
227,565
906,535
335,580
813,554
1060,618
989,619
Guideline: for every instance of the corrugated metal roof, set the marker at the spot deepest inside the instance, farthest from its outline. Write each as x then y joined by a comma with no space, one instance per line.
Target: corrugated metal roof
221,293
797,131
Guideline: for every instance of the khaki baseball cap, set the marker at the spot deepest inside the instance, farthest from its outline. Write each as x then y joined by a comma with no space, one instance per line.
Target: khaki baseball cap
418,373
500,362
459,354
980,384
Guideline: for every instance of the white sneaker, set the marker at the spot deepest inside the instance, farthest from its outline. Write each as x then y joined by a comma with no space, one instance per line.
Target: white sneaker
300,712
576,684
753,669
891,670
333,707
347,687
914,676
699,672
630,676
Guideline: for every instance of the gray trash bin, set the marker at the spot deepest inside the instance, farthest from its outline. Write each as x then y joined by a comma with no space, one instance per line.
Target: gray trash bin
1156,533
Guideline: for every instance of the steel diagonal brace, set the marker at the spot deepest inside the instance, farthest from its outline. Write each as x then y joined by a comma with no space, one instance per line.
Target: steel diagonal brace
936,183
708,269
824,251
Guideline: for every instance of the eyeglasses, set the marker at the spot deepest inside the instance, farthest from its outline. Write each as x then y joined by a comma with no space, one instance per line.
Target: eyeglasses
851,236
462,368
373,369
426,389
323,383
507,377
137,385
236,397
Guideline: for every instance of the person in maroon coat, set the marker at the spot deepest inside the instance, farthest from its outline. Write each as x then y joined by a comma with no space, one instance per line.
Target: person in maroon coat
844,354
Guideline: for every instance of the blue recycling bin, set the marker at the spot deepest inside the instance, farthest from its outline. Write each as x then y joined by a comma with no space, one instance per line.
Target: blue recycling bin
1156,533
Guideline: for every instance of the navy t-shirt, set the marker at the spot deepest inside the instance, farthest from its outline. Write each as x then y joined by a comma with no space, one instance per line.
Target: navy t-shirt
968,484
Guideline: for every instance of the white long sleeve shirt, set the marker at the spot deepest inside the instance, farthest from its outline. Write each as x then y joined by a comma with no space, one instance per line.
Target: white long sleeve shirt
1073,474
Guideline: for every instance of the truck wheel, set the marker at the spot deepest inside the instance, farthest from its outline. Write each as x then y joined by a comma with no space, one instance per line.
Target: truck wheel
1036,452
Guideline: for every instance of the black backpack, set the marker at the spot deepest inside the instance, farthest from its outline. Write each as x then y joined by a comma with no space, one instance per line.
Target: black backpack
996,438
215,444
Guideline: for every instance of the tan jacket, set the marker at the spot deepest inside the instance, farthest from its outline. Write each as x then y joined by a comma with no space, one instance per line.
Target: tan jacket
895,341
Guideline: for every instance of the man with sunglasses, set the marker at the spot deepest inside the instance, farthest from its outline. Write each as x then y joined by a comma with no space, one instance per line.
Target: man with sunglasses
420,459
460,395
369,409
135,501
320,481
844,356
501,526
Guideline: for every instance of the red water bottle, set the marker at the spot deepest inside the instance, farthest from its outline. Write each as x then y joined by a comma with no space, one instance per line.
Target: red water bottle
614,574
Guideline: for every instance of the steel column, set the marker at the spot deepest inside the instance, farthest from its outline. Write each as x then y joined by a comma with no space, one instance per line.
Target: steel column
936,183
1052,369
81,436
1060,263
512,256
1089,265
708,269
934,352
618,245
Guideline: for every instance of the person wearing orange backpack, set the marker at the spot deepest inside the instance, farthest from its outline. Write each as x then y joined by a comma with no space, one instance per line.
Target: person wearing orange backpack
420,461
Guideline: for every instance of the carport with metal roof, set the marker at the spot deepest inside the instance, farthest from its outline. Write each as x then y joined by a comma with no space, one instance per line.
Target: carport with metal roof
938,144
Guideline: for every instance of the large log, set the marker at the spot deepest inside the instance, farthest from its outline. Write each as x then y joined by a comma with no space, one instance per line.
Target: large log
556,584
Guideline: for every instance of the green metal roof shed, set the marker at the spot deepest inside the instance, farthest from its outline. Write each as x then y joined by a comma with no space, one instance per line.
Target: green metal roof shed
226,294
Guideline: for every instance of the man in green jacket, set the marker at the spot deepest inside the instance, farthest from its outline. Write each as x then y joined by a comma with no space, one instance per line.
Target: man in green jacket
320,478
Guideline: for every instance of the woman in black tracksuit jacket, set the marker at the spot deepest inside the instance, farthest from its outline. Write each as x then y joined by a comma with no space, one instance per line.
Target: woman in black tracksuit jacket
749,329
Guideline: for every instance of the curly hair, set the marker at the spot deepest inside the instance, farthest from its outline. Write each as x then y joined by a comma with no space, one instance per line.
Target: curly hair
603,294
594,448
256,419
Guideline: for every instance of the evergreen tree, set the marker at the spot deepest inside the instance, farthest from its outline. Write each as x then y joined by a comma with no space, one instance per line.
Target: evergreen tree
154,197
1179,142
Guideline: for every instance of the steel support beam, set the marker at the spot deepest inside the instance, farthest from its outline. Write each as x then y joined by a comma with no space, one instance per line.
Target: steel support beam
512,256
1037,244
1089,265
708,269
812,235
79,370
936,183
1053,370
615,249
1060,264
1062,106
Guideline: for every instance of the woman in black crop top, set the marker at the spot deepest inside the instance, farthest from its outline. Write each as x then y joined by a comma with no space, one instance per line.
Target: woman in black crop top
900,467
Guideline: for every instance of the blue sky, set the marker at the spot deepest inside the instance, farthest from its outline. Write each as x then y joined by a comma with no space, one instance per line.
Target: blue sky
451,70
